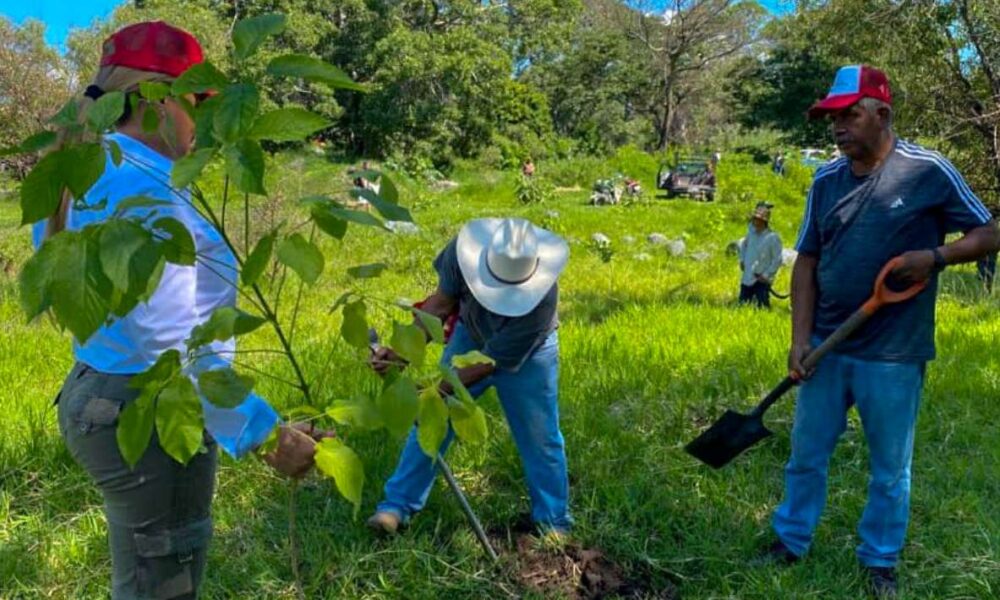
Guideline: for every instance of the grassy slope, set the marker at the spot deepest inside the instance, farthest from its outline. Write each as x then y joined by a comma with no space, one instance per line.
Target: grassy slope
651,351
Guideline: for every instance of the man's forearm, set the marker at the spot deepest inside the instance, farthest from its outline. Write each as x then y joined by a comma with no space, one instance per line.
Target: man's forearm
972,246
468,376
803,298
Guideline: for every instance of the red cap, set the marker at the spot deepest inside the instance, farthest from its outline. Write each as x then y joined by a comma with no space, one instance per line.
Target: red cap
152,46
851,84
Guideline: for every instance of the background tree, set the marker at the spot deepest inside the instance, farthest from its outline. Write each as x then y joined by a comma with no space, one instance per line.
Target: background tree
34,82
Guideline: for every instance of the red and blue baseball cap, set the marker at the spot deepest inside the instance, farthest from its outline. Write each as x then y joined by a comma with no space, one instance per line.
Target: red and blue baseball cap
851,84
152,46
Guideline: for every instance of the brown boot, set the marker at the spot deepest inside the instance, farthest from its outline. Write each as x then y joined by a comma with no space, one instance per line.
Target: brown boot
384,523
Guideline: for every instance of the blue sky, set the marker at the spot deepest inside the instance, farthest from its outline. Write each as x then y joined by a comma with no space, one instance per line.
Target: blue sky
60,16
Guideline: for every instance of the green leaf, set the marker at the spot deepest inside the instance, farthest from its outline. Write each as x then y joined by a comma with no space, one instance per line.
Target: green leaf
328,223
200,78
188,168
392,212
145,268
302,256
388,190
34,143
249,34
472,358
245,166
166,367
204,123
367,271
179,422
41,190
154,91
354,327
150,121
77,287
225,388
360,412
67,115
287,125
105,111
431,324
410,342
432,422
355,216
178,246
81,166
116,152
236,111
398,404
120,239
312,69
468,421
255,264
336,460
33,281
224,323
135,429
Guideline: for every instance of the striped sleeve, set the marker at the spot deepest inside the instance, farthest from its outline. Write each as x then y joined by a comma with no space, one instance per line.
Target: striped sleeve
961,208
808,240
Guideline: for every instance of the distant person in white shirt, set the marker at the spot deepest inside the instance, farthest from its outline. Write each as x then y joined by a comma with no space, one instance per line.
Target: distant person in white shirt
760,258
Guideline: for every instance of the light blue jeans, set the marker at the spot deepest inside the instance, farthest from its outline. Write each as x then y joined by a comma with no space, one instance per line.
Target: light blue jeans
887,396
529,398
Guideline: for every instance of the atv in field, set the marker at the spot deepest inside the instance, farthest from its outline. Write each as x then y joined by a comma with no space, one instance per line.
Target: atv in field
691,177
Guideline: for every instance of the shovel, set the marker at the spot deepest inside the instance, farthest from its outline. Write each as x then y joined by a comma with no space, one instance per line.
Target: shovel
477,527
733,433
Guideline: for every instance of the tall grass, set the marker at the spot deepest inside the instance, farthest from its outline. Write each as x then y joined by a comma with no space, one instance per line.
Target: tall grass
653,348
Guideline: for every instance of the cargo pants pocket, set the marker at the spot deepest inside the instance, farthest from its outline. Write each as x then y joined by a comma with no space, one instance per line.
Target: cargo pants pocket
169,562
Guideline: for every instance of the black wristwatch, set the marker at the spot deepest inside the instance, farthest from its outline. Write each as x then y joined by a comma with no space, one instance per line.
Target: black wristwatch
939,263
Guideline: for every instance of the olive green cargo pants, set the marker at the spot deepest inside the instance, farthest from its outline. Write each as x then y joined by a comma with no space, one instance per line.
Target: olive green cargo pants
159,513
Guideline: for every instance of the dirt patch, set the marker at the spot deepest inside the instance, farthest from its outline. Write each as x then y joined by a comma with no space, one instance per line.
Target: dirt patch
574,572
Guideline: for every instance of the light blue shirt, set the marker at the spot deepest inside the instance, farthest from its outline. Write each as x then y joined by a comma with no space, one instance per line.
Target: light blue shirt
185,298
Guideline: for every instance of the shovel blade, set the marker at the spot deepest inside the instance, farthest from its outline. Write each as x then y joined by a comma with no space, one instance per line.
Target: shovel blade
727,438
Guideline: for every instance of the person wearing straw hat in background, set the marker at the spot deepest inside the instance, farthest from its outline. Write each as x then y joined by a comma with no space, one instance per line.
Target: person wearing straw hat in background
159,511
500,275
760,258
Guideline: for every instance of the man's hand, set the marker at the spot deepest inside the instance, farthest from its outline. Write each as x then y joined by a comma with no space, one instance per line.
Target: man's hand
383,359
796,355
295,453
917,266
762,279
310,429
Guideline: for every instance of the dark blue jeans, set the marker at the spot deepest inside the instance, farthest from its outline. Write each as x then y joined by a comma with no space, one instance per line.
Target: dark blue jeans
757,294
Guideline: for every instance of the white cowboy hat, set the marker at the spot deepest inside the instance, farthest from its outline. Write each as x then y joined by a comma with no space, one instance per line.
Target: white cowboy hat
509,264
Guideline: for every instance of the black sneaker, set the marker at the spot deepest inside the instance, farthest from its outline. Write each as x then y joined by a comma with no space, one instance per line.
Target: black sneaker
776,554
882,583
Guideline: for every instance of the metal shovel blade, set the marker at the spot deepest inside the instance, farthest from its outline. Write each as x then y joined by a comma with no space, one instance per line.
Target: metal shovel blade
727,438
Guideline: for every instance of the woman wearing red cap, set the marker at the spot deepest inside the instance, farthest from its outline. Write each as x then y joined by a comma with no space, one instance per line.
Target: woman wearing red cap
158,512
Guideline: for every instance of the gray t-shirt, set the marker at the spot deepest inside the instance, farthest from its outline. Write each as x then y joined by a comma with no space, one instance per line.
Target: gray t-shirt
507,340
856,224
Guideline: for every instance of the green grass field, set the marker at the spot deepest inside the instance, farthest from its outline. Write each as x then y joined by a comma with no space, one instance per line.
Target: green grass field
653,348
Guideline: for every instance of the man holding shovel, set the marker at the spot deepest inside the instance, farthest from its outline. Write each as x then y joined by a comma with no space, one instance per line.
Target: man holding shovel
884,198
500,276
